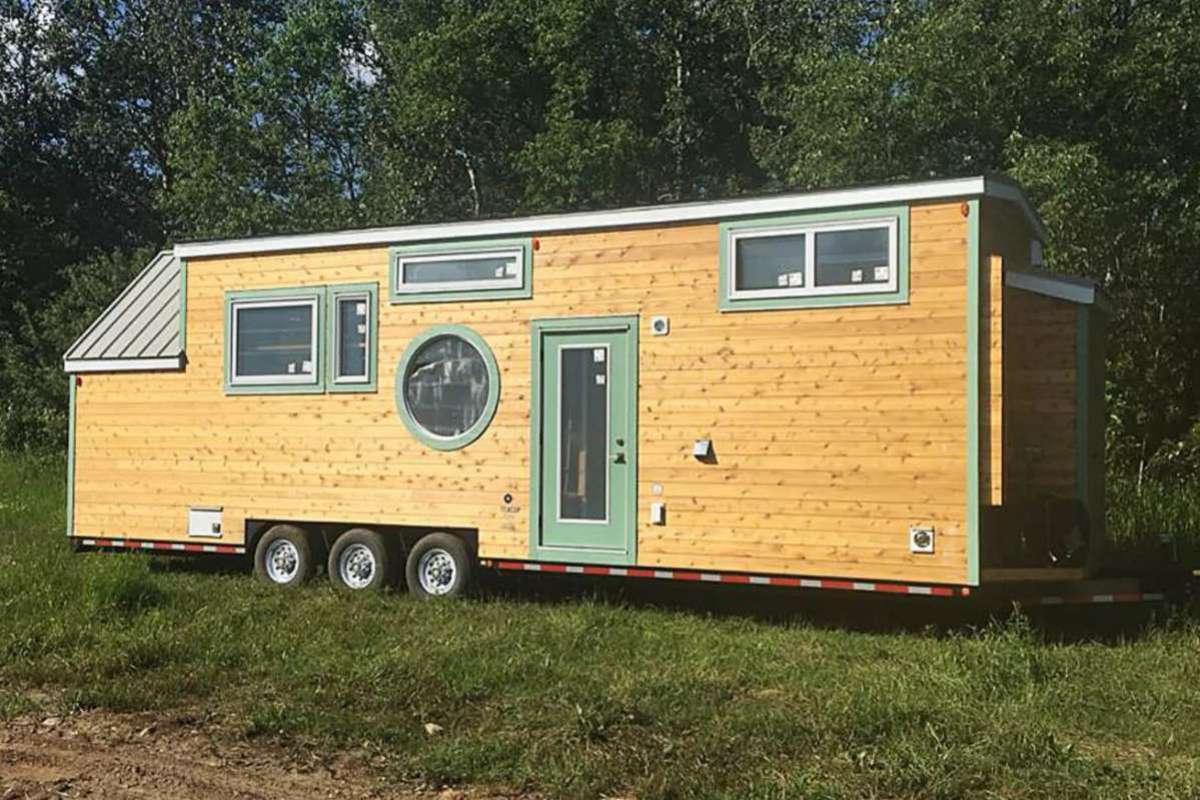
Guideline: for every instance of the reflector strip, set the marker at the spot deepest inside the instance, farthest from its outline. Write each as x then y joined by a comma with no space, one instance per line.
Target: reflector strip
151,544
730,577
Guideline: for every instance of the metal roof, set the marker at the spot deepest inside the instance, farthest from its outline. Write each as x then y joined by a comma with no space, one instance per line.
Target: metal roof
140,330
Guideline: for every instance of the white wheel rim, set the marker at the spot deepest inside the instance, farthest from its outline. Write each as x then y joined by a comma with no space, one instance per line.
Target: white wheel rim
437,571
356,566
282,561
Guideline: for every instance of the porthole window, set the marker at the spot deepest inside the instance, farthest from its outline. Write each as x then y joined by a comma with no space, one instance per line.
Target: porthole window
447,387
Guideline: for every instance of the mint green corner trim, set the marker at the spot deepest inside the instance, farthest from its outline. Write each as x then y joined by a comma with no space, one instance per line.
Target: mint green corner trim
466,247
1082,398
898,297
973,432
371,290
538,328
183,305
71,461
292,293
489,410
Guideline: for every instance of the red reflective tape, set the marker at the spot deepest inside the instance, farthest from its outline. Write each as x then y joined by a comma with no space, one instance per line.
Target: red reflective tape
735,578
554,567
510,565
891,588
847,585
685,576
785,581
640,573
596,571
943,591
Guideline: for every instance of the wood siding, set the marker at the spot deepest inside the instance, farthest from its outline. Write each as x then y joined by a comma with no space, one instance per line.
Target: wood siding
1040,395
835,429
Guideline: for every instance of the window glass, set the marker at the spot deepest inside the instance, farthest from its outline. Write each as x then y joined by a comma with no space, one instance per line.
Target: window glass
446,386
352,326
770,262
852,257
459,270
583,434
274,340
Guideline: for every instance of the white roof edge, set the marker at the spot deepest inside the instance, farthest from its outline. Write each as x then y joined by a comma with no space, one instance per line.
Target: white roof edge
625,217
77,365
1074,291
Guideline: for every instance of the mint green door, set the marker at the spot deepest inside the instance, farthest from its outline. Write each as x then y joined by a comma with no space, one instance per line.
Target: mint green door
584,441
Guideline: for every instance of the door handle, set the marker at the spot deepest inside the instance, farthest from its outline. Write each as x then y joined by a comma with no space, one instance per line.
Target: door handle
618,458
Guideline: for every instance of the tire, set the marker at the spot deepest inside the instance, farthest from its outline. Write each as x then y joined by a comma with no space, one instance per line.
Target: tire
360,561
284,557
440,565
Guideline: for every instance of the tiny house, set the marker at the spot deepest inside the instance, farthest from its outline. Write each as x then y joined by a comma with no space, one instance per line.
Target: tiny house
873,388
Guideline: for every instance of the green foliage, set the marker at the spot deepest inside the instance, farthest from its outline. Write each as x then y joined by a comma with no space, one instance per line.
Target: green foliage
129,124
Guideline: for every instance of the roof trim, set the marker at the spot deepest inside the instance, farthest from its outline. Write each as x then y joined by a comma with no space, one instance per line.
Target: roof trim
1063,287
626,217
122,364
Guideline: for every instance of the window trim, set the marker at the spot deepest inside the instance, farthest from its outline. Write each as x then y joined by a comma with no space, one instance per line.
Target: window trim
368,292
489,409
895,292
517,287
268,298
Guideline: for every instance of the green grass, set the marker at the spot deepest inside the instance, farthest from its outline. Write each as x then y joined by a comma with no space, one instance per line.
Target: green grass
1150,520
587,698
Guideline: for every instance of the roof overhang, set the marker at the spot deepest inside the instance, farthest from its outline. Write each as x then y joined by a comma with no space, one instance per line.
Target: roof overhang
628,217
79,365
1062,287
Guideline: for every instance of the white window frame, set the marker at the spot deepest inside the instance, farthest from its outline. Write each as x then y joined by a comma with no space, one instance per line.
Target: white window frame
352,297
514,281
289,379
810,231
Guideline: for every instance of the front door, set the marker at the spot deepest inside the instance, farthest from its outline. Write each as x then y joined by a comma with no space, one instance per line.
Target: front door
584,439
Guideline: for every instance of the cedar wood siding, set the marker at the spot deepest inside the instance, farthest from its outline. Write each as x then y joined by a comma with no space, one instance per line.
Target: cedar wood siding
835,429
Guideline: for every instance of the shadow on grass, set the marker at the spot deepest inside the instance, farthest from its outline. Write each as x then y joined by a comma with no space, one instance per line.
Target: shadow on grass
826,609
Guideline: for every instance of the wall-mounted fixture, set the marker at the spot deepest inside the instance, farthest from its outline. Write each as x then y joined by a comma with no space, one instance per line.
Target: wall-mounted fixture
920,539
658,513
204,521
660,326
702,449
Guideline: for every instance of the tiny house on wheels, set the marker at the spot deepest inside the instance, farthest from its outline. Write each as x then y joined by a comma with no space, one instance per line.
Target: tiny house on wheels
873,389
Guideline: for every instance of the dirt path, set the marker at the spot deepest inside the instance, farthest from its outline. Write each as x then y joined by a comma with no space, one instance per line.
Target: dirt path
180,757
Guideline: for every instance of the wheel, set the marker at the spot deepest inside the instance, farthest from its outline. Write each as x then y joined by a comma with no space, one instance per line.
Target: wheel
284,556
359,560
440,565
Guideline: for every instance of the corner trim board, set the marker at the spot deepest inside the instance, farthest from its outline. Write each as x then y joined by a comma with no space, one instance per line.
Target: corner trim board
973,387
71,444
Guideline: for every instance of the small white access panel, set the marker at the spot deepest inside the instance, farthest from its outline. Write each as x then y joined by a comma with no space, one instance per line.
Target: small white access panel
204,521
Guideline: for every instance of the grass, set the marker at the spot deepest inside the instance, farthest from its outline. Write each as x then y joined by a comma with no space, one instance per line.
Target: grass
588,698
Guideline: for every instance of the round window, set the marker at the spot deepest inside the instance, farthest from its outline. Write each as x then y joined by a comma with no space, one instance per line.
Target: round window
447,387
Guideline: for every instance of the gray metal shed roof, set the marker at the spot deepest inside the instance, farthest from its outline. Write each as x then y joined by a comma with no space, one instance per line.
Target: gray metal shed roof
140,330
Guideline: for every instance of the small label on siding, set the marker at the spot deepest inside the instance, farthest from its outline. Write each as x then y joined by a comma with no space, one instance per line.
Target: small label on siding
360,309
881,273
306,367
795,279
291,368
598,355
599,380
510,269
362,329
856,276
499,272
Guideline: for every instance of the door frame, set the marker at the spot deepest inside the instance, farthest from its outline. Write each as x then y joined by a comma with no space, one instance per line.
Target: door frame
538,329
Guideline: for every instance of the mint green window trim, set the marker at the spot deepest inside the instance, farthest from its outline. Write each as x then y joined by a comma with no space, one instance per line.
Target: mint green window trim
183,265
489,410
305,294
806,297
518,287
71,461
973,433
369,292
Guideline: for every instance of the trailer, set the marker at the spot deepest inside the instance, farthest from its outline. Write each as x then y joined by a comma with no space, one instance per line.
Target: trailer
870,389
